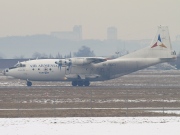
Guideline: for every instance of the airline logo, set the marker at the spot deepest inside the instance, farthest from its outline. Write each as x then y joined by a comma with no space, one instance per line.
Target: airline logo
159,43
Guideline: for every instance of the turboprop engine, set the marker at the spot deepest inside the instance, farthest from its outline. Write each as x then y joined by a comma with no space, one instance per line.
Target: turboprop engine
64,63
70,61
78,61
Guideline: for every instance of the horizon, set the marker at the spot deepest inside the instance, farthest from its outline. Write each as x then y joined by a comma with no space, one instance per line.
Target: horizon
49,34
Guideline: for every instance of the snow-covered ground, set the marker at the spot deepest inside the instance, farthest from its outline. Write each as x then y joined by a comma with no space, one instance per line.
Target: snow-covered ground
91,126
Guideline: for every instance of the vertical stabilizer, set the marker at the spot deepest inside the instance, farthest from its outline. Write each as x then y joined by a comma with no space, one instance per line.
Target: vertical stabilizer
160,47
162,39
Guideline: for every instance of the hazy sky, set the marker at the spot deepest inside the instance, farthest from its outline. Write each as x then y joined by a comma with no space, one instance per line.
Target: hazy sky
134,19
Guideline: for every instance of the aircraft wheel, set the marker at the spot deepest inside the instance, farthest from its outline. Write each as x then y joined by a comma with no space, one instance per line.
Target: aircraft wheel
29,83
80,83
74,83
86,83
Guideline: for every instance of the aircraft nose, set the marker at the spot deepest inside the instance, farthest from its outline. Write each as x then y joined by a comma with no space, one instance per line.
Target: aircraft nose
4,72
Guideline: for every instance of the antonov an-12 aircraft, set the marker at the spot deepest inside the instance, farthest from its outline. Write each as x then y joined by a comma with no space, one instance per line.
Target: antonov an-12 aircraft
81,70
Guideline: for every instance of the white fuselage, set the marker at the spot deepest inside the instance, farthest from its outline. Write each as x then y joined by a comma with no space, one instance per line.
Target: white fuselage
47,70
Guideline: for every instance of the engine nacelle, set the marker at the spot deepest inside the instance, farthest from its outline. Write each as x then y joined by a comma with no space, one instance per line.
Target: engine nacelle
79,61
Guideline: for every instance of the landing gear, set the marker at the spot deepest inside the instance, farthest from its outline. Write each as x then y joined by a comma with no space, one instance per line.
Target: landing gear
29,83
74,83
86,83
81,83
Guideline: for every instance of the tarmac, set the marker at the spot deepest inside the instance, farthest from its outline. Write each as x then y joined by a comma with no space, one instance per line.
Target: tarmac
144,93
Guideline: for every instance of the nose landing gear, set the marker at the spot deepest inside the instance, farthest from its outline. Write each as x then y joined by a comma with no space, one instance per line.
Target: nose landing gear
29,83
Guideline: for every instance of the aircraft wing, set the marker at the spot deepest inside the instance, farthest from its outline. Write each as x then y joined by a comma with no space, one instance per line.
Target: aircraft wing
95,59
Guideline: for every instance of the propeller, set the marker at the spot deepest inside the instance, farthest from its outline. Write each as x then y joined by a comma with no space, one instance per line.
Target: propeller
69,64
59,63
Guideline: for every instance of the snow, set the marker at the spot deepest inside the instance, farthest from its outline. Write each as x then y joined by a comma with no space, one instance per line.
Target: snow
91,126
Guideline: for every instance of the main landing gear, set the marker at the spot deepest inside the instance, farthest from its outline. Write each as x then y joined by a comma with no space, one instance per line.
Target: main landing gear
80,83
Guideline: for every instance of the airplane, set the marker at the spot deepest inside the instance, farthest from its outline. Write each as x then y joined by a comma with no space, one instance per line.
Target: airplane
81,70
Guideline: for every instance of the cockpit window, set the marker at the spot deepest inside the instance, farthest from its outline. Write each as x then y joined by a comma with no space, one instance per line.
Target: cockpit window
22,65
18,65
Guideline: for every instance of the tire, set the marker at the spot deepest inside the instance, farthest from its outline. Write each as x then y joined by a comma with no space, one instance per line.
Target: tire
86,83
29,84
80,83
74,83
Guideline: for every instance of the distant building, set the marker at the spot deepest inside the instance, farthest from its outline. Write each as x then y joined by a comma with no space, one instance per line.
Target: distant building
111,33
178,37
77,29
75,35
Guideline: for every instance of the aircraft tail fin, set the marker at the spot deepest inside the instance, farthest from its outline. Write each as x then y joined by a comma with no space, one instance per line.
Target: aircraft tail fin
162,39
160,47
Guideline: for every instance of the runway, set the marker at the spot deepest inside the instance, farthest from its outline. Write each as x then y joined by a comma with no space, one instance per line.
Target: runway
144,78
144,93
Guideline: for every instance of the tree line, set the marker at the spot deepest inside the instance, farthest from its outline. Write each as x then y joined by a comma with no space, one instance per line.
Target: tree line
84,51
